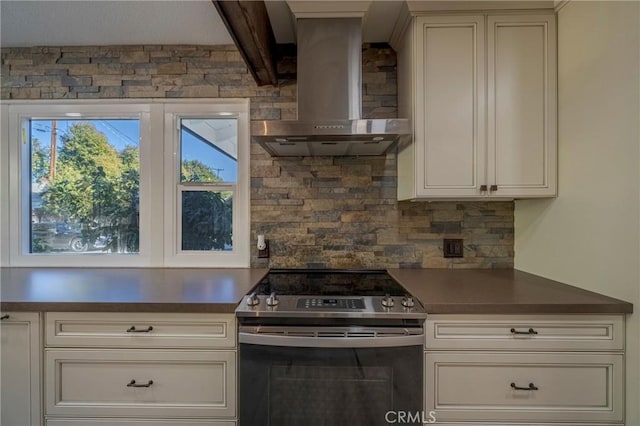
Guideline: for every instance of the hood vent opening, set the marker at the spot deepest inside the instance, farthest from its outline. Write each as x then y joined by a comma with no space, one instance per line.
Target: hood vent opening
329,99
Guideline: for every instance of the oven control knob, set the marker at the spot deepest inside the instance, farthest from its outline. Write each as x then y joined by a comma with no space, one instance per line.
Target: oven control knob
387,301
272,300
252,299
408,302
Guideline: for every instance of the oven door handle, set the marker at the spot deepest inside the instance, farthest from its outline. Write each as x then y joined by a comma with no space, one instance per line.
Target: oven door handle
331,342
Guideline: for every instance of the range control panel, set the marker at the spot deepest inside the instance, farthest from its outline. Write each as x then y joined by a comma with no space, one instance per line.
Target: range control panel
330,303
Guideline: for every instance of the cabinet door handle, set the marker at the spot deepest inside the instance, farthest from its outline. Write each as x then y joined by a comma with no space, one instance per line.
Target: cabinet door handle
493,188
133,329
133,384
531,387
483,188
4,317
531,331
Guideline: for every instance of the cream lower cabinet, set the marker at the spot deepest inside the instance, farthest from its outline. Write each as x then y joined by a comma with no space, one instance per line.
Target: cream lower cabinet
481,93
20,361
140,369
525,370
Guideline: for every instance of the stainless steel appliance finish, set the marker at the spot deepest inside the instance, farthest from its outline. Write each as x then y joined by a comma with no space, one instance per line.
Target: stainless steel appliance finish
332,337
326,347
329,99
330,294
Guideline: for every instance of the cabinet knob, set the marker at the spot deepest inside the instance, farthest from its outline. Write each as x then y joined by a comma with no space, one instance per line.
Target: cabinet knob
483,188
493,188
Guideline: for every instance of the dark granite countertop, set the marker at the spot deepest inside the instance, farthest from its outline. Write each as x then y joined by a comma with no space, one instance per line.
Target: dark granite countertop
501,291
125,290
442,291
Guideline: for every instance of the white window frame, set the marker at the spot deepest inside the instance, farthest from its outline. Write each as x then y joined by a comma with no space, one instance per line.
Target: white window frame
158,209
174,255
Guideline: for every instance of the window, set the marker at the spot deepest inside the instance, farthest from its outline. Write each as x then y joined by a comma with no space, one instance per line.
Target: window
208,176
125,183
208,207
85,185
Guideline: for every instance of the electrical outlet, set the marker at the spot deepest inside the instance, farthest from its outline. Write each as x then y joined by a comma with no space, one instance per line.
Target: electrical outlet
452,247
264,253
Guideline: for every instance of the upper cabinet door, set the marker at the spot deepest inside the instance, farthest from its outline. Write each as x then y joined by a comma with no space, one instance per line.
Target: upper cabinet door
521,100
449,101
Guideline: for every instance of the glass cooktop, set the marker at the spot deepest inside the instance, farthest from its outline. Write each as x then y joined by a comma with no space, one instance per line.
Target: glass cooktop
329,282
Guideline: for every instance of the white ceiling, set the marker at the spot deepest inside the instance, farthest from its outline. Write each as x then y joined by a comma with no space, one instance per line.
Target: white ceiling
99,22
108,22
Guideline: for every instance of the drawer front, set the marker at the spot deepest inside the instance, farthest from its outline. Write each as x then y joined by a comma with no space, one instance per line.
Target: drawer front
570,387
524,424
131,330
180,383
530,332
135,422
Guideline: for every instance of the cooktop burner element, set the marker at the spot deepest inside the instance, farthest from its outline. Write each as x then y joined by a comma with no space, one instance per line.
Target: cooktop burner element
330,293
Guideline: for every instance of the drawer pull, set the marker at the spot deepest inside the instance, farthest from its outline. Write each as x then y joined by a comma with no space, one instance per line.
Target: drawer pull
4,317
531,387
531,331
133,384
133,329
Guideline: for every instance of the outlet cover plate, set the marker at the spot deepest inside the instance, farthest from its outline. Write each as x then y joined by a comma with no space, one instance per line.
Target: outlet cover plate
453,247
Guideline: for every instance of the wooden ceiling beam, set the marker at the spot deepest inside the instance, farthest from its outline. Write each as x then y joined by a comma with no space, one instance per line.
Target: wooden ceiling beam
249,26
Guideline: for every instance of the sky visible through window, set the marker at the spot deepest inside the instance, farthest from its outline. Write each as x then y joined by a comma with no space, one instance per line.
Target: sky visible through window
126,132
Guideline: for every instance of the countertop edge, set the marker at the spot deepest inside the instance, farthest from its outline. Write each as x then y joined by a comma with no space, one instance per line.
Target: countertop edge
509,309
179,307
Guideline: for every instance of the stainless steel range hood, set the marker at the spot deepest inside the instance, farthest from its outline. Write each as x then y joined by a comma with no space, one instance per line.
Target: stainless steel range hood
329,99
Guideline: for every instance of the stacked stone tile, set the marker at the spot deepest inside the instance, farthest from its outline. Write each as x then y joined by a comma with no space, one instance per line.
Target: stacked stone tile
336,212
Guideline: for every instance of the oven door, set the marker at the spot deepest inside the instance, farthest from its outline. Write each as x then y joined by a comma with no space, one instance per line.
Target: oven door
329,376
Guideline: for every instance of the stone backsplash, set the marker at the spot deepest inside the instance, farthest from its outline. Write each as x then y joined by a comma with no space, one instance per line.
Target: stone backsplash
317,212
342,212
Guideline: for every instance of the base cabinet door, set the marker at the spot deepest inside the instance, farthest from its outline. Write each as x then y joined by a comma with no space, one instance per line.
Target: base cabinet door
20,355
525,387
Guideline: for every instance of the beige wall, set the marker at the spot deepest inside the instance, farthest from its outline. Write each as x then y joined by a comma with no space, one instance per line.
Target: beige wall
590,235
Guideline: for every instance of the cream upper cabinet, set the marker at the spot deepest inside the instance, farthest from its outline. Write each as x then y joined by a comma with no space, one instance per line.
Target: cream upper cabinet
521,105
481,93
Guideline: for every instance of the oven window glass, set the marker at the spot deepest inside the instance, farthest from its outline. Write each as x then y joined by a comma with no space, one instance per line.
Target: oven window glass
282,386
321,395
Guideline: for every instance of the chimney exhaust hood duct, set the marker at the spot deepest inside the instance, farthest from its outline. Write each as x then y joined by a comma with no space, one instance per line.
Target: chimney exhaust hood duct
329,99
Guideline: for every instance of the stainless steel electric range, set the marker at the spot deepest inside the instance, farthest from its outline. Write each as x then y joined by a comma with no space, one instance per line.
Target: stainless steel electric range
329,347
